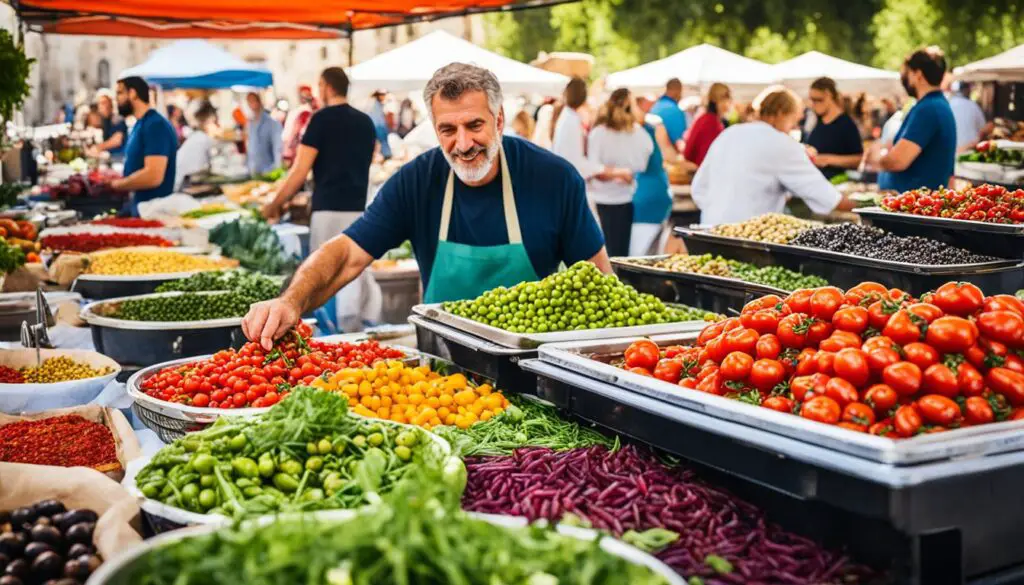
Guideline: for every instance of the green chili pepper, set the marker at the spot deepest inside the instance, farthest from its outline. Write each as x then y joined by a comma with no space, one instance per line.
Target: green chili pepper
203,463
286,483
238,442
718,564
245,467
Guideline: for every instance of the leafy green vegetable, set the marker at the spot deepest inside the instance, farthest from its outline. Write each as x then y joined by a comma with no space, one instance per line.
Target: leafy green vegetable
839,179
254,244
11,257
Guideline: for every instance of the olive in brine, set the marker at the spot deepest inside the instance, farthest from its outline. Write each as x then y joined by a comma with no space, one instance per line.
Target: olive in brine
18,568
47,534
80,533
78,549
12,544
72,517
47,566
49,508
34,549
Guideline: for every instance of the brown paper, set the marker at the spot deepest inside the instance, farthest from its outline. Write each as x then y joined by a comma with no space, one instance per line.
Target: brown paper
66,268
26,278
125,443
76,487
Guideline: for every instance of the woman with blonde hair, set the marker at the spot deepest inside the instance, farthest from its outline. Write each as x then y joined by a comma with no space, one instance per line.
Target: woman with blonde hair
522,125
751,167
617,140
708,125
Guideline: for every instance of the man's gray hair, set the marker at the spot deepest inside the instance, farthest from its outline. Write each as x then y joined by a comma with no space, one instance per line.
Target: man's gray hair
455,79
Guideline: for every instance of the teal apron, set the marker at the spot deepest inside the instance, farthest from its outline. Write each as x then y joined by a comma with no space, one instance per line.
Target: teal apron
462,271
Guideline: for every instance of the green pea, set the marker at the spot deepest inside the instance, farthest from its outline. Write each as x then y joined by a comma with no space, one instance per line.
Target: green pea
207,498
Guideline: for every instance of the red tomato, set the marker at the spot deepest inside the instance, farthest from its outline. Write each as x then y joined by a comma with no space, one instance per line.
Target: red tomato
818,331
840,340
851,364
710,332
853,319
903,377
920,354
641,371
859,413
1012,362
792,330
907,420
852,426
639,354
841,391
674,350
742,339
883,428
778,403
766,374
825,361
879,341
881,397
926,311
1003,303
1017,414
821,409
969,380
880,358
825,302
799,301
806,362
668,370
712,384
1003,326
707,370
690,383
768,347
717,348
958,298
801,386
880,312
977,411
951,334
736,366
938,410
1008,383
763,321
765,302
902,329
940,379
201,400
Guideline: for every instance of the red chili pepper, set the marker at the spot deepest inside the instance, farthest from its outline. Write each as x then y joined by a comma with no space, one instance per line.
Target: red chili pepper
10,376
64,441
129,222
91,242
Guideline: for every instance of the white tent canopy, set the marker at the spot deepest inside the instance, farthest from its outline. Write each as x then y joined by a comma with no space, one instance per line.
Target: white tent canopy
1006,66
698,67
197,64
409,67
799,72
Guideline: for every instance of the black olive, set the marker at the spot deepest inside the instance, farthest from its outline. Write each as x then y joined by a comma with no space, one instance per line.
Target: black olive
48,565
22,516
76,570
49,508
92,561
78,549
10,580
63,581
44,521
18,568
72,517
47,534
81,532
12,543
34,549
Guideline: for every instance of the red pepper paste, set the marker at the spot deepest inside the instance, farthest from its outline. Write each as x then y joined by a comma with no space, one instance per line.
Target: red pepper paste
64,441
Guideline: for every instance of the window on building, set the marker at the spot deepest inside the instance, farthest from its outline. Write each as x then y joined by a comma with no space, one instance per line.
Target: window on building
323,53
103,73
394,35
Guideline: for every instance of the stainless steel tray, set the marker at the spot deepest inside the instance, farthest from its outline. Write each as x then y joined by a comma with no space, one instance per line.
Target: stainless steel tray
534,340
976,441
722,281
839,257
942,222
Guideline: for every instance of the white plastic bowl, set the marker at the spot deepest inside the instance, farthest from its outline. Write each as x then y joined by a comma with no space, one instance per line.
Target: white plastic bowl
19,398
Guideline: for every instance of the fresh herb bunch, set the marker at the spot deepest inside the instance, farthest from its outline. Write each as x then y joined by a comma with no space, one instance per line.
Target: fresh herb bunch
253,285
254,244
11,257
14,87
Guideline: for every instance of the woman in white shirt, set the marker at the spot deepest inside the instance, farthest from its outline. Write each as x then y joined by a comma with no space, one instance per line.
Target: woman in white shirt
617,140
751,167
569,139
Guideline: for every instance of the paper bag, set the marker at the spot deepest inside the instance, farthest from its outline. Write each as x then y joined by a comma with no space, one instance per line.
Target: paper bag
66,268
76,487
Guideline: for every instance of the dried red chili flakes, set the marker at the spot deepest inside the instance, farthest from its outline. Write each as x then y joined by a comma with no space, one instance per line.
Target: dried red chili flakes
10,376
63,441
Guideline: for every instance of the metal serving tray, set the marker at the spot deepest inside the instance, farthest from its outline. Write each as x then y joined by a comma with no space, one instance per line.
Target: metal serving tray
534,340
976,441
945,222
704,291
995,239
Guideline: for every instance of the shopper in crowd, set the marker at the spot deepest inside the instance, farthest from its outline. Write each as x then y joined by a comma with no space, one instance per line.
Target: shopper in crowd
690,106
522,125
834,143
667,108
751,167
194,153
569,138
544,128
481,211
618,141
408,118
263,138
968,116
338,148
709,125
151,151
115,131
380,122
176,117
652,201
925,145
93,120
296,122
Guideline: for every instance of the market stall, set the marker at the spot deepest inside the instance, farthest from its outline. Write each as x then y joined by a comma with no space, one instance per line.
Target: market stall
799,72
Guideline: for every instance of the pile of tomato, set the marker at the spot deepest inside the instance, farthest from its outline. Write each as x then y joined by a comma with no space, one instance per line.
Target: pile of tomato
251,377
988,203
870,359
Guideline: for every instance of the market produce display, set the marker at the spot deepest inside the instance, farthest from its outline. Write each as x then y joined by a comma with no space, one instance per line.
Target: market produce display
19,232
578,298
776,276
141,262
869,360
9,375
46,543
253,285
872,242
414,394
420,537
254,244
988,152
305,453
95,184
86,242
128,222
60,369
776,228
988,203
184,307
64,441
703,533
207,211
11,257
250,377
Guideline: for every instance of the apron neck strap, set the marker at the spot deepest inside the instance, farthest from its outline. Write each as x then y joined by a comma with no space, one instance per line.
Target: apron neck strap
515,236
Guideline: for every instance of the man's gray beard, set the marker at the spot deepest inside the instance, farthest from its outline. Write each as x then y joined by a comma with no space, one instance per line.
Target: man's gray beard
474,174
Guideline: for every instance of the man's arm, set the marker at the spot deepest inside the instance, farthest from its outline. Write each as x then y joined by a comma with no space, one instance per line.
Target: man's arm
115,141
845,161
297,174
150,176
330,267
601,260
900,157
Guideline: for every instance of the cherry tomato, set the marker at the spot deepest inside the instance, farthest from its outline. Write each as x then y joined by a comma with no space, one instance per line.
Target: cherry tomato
806,362
778,403
879,341
792,331
977,411
766,374
712,384
938,410
859,413
801,386
880,312
902,329
1008,383
920,354
841,391
822,409
641,371
853,319
640,354
799,301
951,334
768,347
1002,326
710,332
201,400
742,339
969,380
668,370
883,428
1003,303
825,302
926,311
958,298
674,350
840,340
881,397
818,331
825,361
907,420
765,302
851,364
903,377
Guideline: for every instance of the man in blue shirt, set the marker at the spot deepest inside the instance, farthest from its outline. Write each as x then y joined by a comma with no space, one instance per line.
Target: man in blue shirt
481,211
149,155
924,149
263,142
667,108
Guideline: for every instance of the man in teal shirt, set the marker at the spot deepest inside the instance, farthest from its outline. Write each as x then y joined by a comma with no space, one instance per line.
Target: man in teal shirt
667,108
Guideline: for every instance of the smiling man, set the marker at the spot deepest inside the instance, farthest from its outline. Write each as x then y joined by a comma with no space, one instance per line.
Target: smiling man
481,211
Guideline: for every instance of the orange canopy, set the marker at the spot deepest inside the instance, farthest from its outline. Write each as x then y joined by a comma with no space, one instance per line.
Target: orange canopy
268,19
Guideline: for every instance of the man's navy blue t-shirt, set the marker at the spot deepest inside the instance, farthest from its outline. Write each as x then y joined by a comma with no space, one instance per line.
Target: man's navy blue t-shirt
551,202
930,125
152,135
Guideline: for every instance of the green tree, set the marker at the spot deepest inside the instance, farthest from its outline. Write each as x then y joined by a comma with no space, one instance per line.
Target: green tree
902,26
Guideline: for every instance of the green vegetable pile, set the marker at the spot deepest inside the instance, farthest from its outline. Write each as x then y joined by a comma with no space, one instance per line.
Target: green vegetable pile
206,212
305,453
185,307
254,244
420,537
525,423
254,285
580,297
11,257
996,155
9,193
775,276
